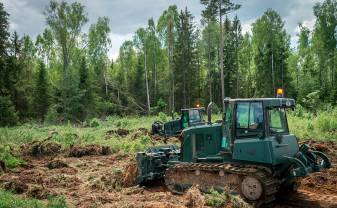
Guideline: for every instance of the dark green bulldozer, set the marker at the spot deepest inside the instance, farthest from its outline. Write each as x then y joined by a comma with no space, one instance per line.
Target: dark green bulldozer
189,117
251,151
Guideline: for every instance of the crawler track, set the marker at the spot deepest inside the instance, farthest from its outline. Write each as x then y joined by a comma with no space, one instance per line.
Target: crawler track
218,176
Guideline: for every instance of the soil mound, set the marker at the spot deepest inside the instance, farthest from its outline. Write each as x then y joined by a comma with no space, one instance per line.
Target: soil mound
15,186
38,192
323,182
41,148
194,198
92,149
57,164
130,175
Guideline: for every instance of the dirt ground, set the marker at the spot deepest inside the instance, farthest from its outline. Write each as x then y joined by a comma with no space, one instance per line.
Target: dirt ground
103,179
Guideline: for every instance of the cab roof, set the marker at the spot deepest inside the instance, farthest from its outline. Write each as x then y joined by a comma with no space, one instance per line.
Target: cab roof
267,102
186,109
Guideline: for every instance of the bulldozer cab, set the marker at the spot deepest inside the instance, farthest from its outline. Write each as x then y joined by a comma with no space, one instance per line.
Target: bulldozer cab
192,116
189,117
254,118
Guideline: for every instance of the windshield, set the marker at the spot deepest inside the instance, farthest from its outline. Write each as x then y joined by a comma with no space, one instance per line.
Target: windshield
195,116
277,120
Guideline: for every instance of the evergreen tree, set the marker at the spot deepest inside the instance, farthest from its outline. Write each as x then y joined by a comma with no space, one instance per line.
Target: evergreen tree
85,88
41,96
185,61
271,43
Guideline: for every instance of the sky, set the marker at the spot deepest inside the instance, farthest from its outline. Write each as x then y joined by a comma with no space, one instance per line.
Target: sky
126,16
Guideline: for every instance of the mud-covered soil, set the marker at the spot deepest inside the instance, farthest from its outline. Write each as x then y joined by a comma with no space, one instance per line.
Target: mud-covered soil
90,176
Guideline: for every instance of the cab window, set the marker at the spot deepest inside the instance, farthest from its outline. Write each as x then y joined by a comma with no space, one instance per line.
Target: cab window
194,116
277,121
249,118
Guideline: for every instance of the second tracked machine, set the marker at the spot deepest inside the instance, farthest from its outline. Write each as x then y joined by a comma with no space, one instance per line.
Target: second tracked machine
251,151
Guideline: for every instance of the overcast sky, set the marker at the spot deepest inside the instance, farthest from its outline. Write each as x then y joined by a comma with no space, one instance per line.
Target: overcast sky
26,16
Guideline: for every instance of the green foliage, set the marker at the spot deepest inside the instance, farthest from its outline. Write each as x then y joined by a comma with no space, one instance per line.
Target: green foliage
8,114
52,115
41,98
306,125
271,46
312,101
216,199
224,199
163,117
8,158
94,123
9,200
57,202
66,75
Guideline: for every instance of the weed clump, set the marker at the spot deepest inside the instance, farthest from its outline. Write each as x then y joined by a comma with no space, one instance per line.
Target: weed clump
225,199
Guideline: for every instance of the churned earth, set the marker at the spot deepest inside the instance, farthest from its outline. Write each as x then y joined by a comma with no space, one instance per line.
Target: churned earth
93,176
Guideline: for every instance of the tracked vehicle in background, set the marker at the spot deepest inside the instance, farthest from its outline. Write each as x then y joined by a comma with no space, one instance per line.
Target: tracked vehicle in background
188,117
251,151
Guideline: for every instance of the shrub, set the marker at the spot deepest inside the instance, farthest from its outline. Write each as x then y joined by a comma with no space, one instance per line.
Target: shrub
94,123
216,199
163,117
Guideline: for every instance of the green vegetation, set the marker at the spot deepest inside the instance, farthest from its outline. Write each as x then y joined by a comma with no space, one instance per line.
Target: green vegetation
224,199
9,200
319,126
95,133
170,63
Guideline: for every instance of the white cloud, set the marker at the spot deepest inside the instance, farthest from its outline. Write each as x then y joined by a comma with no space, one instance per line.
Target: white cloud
116,41
247,26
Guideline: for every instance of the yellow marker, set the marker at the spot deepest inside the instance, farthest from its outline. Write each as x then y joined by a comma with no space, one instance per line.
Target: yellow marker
279,92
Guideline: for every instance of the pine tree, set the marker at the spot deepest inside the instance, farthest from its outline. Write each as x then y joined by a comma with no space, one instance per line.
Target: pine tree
41,95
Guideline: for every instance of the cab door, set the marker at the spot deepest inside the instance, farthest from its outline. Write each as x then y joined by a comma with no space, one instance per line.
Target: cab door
249,144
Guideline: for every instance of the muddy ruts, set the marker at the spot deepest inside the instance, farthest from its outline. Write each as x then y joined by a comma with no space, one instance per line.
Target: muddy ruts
219,176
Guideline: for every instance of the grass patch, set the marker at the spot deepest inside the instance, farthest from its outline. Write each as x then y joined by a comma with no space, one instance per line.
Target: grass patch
10,160
224,199
320,126
9,200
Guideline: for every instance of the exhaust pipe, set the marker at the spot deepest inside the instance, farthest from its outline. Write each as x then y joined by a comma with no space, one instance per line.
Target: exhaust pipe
209,112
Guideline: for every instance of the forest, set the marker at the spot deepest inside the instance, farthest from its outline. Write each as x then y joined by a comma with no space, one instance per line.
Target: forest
77,126
65,74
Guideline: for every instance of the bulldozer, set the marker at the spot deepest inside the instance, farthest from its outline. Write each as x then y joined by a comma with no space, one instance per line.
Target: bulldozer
188,117
251,153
